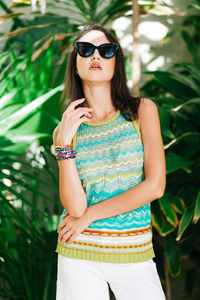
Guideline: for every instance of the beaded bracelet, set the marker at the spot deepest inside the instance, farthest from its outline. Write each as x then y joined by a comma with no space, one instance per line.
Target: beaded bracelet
65,152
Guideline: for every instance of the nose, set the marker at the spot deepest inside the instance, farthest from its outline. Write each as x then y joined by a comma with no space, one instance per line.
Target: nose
95,54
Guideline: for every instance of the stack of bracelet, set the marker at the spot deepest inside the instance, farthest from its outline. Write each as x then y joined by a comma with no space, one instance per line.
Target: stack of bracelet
65,152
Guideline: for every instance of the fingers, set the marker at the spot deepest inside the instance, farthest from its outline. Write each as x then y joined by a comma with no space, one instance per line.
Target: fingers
72,112
71,120
63,238
64,233
75,103
61,225
82,111
64,229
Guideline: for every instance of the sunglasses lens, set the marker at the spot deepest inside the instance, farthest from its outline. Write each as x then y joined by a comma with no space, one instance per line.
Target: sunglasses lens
108,51
85,49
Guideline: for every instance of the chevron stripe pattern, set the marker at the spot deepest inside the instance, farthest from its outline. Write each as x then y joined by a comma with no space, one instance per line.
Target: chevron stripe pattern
110,160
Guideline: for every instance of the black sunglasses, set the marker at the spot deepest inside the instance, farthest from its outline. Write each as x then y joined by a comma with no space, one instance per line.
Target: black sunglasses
86,49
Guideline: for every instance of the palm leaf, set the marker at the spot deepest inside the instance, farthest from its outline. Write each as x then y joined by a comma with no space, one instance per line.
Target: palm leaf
22,113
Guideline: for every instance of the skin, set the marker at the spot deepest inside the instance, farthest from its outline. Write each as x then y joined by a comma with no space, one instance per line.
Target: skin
97,84
96,87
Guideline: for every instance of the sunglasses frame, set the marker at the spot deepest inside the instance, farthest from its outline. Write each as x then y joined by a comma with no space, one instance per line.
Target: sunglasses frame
97,47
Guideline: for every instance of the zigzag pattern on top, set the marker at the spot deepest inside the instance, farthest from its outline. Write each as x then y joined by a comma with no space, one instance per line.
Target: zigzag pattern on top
110,160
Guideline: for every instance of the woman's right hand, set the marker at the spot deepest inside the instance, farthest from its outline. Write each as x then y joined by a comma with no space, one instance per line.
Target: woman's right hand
71,119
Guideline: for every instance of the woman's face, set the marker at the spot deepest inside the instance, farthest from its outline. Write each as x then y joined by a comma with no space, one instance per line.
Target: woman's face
83,64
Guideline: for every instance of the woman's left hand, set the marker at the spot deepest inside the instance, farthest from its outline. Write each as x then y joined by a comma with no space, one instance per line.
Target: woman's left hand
71,227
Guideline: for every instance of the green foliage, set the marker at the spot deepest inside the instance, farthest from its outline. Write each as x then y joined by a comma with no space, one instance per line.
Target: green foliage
177,95
185,220
29,113
173,254
197,209
30,85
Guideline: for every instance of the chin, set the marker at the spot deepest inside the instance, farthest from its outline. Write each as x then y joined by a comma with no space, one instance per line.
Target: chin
97,78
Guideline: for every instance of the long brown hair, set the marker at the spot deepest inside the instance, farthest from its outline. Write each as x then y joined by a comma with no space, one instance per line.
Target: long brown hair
120,94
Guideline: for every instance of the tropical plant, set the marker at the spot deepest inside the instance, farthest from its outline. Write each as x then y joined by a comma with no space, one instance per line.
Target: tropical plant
177,95
29,203
30,83
79,13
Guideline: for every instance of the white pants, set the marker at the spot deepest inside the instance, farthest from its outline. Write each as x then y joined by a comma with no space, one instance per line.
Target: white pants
79,279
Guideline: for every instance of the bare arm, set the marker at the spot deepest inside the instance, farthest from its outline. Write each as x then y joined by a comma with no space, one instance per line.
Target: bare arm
72,194
153,186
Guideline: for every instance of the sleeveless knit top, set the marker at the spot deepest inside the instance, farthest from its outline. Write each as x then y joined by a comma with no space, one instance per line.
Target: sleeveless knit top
109,159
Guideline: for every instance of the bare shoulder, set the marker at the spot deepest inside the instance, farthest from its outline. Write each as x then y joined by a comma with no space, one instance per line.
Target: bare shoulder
147,110
147,105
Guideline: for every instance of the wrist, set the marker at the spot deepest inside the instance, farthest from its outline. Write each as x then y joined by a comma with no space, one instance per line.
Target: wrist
64,152
63,143
90,213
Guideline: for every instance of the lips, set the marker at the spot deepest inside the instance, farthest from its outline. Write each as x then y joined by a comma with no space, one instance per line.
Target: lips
96,66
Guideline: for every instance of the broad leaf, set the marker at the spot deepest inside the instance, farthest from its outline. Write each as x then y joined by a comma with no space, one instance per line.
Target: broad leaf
168,210
175,162
197,209
22,113
173,254
185,220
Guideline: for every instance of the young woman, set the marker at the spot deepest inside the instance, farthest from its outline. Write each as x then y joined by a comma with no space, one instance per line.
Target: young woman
111,166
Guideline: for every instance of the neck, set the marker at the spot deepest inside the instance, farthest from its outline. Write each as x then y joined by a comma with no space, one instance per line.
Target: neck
98,97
